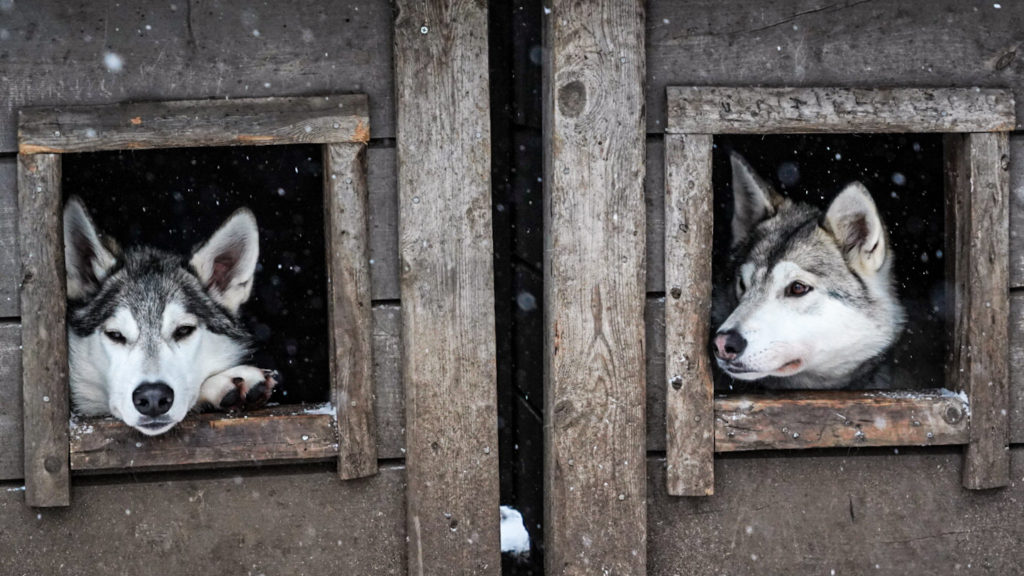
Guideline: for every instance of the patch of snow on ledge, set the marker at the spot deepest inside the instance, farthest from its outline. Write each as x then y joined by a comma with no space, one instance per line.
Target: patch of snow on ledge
514,538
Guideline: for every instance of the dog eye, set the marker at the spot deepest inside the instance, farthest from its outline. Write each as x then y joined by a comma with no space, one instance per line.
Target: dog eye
741,286
182,332
115,336
798,289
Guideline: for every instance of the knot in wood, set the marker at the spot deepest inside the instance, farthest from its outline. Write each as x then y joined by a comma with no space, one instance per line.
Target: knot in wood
1004,162
676,292
952,415
572,99
52,464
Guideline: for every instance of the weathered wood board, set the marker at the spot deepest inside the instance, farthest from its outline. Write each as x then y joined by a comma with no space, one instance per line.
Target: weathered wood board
44,377
348,287
10,266
1017,211
978,174
300,520
874,511
727,110
689,386
190,123
594,284
382,185
446,254
56,53
820,43
12,437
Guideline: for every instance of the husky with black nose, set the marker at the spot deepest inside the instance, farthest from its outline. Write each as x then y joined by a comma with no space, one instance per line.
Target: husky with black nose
153,335
812,302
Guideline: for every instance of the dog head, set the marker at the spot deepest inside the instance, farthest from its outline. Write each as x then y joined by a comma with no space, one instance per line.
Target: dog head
147,327
811,299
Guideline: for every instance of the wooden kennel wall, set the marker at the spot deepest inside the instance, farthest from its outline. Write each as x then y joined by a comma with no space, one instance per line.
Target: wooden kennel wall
977,122
282,434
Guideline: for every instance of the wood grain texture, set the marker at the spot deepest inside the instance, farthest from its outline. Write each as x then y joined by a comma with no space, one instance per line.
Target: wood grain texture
978,184
689,392
725,110
274,435
348,287
595,494
839,419
189,123
447,292
44,339
382,181
53,54
10,265
12,438
297,520
1017,212
823,43
1017,367
868,511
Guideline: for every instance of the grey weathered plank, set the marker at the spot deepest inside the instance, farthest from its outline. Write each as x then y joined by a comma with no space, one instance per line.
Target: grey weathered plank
1017,367
188,123
595,493
382,181
44,342
348,287
275,435
689,392
299,520
194,50
822,43
10,266
12,450
727,110
445,244
879,511
797,421
977,175
1017,211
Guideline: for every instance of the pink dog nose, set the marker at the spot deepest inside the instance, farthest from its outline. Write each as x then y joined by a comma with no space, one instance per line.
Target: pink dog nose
729,345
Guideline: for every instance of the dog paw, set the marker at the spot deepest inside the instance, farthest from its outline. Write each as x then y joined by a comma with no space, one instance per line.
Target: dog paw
240,388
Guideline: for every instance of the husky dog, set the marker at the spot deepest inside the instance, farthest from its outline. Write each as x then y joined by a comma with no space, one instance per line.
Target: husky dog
812,302
152,335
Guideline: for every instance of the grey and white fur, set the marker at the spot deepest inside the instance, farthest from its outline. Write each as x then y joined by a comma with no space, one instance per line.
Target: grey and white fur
153,335
811,303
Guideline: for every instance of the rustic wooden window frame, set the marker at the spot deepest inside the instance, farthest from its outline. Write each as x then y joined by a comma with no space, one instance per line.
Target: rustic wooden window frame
977,123
53,448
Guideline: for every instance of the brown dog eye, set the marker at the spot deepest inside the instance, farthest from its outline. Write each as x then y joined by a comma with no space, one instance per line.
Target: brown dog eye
798,289
182,332
115,336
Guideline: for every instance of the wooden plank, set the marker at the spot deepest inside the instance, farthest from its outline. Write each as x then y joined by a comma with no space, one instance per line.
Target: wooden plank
978,179
800,420
798,43
12,438
189,123
1017,212
727,110
189,50
1017,367
689,392
445,243
869,511
595,492
382,182
44,340
348,285
10,266
295,520
274,435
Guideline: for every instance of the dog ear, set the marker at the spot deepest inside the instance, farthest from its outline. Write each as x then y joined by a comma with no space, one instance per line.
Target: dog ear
87,261
227,262
754,200
853,220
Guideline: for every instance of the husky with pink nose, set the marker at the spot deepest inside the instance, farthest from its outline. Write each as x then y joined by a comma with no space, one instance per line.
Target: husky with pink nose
812,303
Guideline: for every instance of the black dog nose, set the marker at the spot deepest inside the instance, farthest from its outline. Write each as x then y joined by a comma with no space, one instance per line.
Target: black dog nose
729,345
153,398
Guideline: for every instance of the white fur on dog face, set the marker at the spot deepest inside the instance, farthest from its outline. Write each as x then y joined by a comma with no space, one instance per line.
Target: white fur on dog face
788,335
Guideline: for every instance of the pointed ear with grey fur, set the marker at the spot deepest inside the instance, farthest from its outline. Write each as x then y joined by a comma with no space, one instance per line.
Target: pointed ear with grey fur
86,260
853,220
227,262
754,200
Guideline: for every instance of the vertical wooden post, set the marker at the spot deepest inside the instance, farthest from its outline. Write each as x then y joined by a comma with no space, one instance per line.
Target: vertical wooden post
977,168
447,286
595,468
689,397
348,286
43,334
